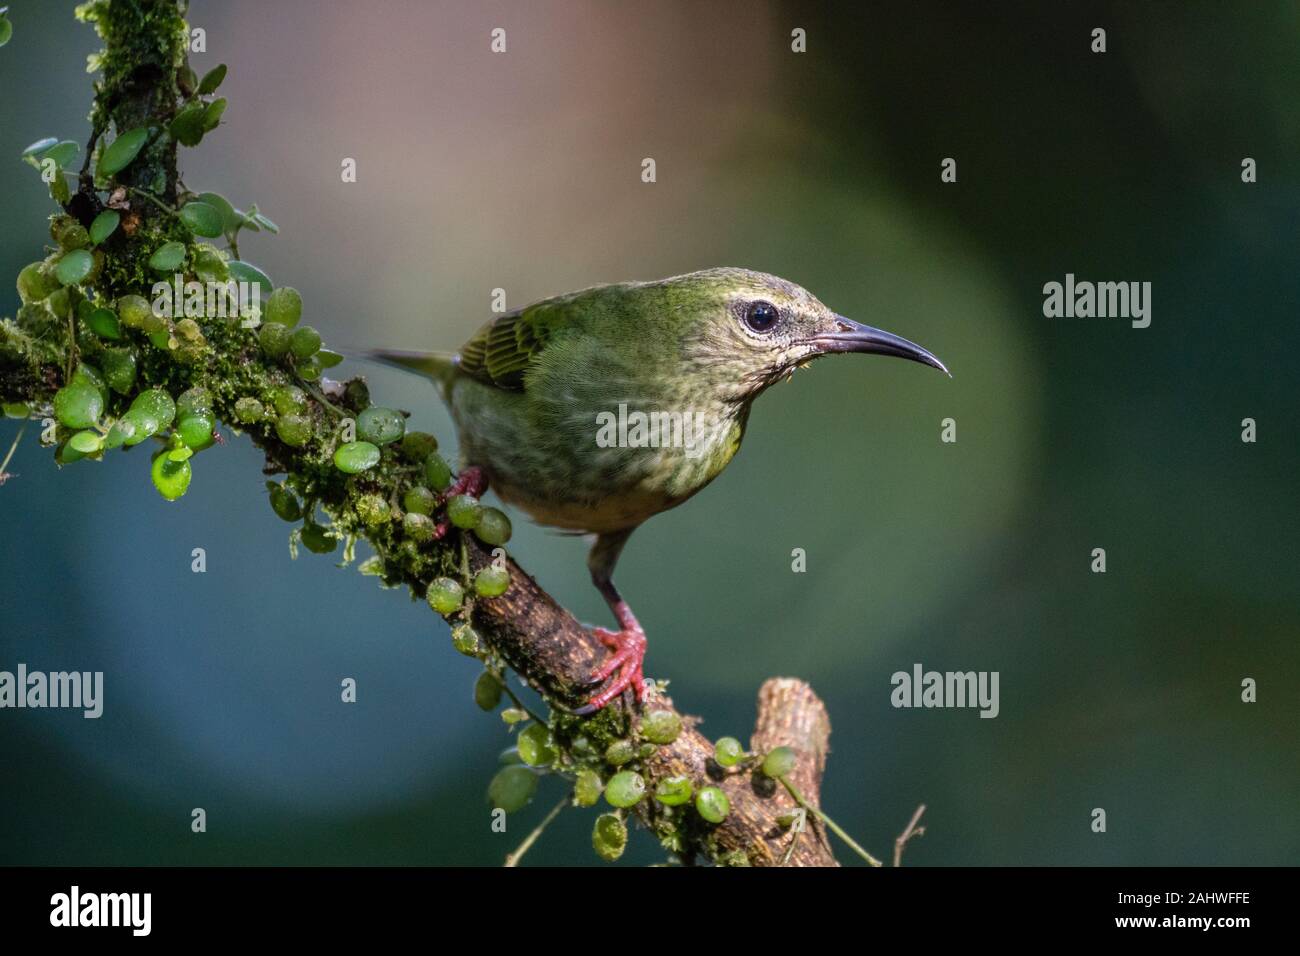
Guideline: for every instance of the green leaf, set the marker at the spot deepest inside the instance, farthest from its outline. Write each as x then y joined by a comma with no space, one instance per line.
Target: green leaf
265,223
242,271
6,30
74,267
203,220
212,79
122,151
103,322
187,126
104,225
62,153
59,190
38,147
212,115
230,220
167,257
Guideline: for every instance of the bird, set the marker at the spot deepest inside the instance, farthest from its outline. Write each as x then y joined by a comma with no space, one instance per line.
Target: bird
596,410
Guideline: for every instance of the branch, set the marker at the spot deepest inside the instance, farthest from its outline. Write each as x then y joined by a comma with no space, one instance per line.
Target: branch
220,369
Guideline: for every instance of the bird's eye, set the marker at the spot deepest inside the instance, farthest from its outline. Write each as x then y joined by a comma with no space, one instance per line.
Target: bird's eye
761,316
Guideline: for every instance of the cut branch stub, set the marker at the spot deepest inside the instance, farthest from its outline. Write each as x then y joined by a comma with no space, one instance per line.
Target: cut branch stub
550,649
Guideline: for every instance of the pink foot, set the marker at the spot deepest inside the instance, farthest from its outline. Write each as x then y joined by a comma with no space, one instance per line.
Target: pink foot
470,482
622,669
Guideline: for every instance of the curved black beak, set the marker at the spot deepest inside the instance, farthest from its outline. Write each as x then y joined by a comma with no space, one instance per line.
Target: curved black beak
850,336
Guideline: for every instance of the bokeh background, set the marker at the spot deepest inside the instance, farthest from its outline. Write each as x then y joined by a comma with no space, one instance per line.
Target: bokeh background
522,171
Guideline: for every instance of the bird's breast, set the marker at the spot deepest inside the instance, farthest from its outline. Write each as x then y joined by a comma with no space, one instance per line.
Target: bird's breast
592,466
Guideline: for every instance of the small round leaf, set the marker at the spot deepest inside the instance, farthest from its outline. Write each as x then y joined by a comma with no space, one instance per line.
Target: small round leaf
122,151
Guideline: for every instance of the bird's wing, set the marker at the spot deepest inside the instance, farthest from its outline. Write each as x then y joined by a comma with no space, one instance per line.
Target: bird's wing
501,351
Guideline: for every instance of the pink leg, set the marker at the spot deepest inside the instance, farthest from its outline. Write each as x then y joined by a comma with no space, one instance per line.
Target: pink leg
623,668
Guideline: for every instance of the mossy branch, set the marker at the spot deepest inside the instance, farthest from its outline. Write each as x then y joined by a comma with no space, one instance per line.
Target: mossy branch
222,366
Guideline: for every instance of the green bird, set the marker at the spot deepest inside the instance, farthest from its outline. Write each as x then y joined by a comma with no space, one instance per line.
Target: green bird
596,410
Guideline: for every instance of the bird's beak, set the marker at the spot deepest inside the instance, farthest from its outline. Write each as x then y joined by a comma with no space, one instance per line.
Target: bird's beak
850,336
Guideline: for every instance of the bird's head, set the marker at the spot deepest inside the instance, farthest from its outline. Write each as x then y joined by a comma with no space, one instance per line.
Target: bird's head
747,330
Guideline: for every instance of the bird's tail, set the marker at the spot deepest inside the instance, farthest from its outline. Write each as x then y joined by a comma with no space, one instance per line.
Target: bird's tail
438,366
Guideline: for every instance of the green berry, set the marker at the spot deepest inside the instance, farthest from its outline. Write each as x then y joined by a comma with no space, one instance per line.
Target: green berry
512,788
420,500
419,528
194,400
248,410
674,791
609,837
661,726
170,477
304,342
288,399
464,510
210,265
437,474
445,595
58,302
274,339
136,426
418,446
356,457
535,747
70,234
196,430
309,369
34,283
587,788
493,527
619,753
318,540
380,425
78,405
466,640
487,691
712,804
625,789
189,330
87,442
87,375
157,404
74,267
728,752
283,307
492,581
778,762
284,503
132,310
156,327
294,430
373,510
119,369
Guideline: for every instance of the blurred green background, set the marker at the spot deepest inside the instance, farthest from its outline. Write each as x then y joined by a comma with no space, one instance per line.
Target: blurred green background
522,171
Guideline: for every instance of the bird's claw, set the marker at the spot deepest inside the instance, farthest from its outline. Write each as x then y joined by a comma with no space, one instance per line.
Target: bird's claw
621,670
